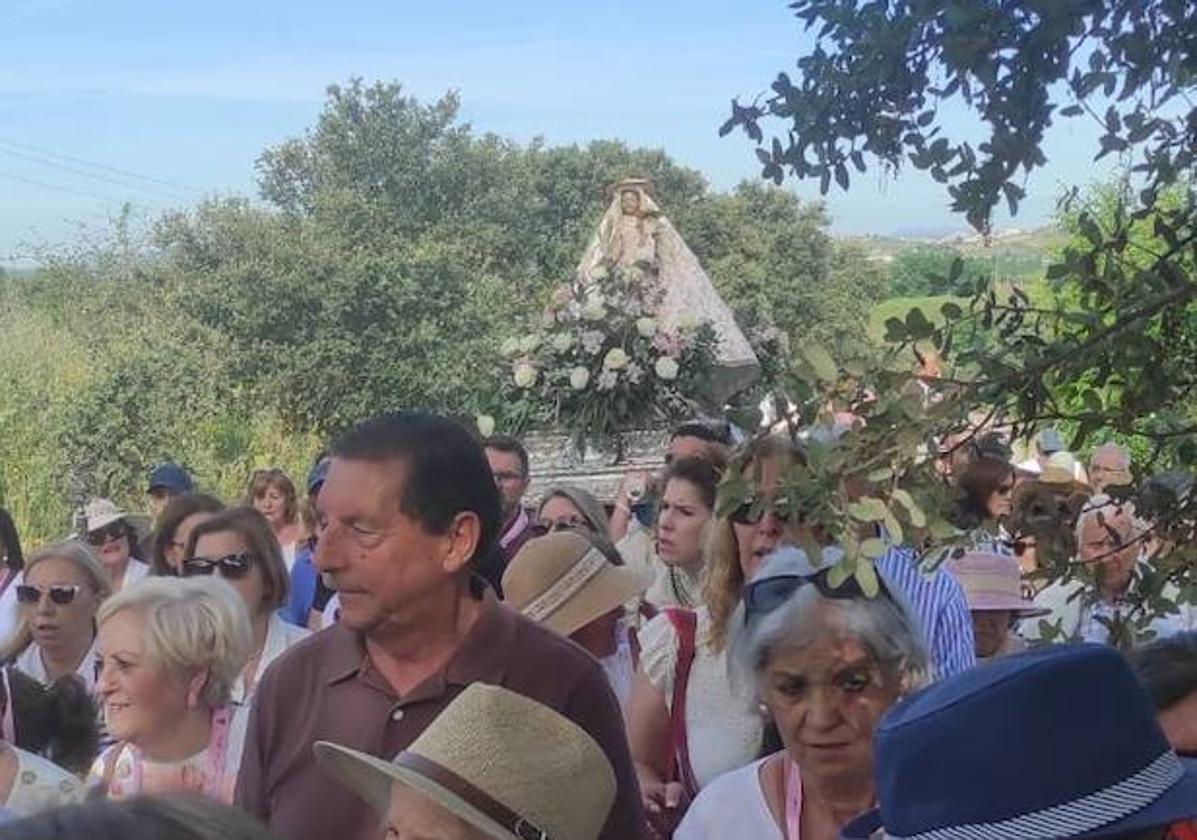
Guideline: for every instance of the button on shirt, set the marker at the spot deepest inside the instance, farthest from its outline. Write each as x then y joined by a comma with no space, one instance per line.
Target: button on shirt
326,689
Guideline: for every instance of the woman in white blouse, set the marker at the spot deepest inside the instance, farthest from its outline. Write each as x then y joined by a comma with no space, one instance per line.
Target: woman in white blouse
62,587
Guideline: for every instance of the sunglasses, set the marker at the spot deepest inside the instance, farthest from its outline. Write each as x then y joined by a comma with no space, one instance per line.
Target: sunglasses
764,596
109,532
60,595
752,510
1021,547
232,566
566,523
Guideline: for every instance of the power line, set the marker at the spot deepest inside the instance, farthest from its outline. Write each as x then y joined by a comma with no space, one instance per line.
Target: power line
97,165
83,172
46,185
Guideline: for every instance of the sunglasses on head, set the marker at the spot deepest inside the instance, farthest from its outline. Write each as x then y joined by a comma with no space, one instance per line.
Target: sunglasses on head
60,595
764,596
108,532
231,566
752,510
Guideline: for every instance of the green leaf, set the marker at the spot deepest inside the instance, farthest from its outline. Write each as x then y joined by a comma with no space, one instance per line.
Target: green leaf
821,362
915,513
951,311
873,548
868,509
866,576
894,528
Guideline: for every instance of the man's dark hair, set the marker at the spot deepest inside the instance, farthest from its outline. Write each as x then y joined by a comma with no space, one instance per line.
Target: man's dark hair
10,541
504,443
1167,668
445,470
710,431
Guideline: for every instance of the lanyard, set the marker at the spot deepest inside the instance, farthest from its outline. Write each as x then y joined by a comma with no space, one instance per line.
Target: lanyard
218,747
793,801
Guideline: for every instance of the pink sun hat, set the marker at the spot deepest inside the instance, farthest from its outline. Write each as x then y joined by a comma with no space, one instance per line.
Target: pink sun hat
992,582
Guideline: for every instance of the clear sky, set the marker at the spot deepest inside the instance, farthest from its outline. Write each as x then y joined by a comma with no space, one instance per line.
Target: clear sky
187,94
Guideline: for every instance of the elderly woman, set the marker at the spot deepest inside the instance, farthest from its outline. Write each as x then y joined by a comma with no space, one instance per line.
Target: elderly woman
826,664
993,588
572,507
62,589
687,723
115,536
238,545
175,524
273,495
577,586
169,653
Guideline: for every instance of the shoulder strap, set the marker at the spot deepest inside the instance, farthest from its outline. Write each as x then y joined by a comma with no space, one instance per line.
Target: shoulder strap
685,623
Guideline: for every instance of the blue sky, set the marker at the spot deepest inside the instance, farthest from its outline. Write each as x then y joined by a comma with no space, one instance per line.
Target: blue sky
188,94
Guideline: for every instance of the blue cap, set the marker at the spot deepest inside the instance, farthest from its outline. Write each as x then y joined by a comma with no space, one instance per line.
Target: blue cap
317,475
170,477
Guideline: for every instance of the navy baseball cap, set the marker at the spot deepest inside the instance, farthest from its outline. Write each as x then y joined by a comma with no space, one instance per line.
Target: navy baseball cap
317,475
170,477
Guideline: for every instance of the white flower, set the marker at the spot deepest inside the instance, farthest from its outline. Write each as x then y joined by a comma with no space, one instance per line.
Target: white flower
607,380
592,341
635,373
510,346
525,375
666,368
616,359
595,308
647,327
486,425
562,341
529,343
579,378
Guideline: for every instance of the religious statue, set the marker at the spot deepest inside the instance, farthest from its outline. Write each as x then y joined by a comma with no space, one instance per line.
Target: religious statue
628,238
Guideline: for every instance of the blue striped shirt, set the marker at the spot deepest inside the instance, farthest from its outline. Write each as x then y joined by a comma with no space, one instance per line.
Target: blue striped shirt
937,603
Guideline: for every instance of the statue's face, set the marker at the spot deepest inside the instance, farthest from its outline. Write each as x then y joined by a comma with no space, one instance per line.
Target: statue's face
629,201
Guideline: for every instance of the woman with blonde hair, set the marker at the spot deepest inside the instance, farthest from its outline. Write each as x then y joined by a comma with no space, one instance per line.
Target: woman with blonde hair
169,653
62,588
687,722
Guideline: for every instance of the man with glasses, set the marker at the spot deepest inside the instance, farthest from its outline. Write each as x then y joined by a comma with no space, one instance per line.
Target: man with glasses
509,465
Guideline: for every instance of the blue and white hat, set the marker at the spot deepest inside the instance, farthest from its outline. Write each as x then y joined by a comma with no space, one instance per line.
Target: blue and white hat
1058,742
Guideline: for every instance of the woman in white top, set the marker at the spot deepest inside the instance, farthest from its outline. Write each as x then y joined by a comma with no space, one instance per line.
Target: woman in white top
273,495
58,721
722,729
62,588
12,561
239,546
115,537
826,663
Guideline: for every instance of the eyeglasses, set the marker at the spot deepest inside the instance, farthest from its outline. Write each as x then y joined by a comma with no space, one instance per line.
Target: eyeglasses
60,595
764,596
502,477
565,523
232,566
109,532
1021,547
752,510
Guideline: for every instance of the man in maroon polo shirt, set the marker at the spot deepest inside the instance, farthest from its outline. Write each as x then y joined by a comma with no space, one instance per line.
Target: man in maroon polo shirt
409,508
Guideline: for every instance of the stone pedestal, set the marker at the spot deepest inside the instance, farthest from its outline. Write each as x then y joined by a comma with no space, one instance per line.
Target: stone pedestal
556,461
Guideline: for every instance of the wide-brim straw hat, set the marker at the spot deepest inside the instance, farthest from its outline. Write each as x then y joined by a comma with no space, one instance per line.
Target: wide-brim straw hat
564,582
992,582
504,763
99,513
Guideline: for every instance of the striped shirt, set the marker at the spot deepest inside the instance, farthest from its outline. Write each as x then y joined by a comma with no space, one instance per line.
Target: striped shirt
937,603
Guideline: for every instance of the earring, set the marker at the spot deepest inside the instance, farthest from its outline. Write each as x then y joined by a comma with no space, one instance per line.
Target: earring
763,710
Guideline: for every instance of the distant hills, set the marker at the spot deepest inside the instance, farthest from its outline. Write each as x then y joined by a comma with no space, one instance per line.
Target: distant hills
1005,242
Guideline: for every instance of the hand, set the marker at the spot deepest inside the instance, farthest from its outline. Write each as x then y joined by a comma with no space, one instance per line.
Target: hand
632,488
664,805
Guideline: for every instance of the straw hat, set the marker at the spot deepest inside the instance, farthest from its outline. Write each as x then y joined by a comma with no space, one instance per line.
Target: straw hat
1064,471
502,762
101,512
564,582
992,582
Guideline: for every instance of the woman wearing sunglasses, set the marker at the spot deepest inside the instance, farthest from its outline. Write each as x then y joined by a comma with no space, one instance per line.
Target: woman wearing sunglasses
239,546
169,652
114,536
62,588
825,664
687,723
572,507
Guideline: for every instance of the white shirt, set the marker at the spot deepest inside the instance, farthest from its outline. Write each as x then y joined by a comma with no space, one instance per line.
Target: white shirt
723,729
31,664
40,785
135,571
10,610
731,806
1077,610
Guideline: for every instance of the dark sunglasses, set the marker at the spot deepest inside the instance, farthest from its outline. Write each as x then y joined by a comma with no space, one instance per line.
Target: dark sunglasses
764,596
231,566
60,595
109,532
1021,547
752,510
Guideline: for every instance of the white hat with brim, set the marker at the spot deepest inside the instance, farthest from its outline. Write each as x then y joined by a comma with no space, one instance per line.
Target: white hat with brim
100,513
506,764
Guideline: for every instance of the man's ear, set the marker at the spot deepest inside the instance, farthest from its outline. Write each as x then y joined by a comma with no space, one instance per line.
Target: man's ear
462,538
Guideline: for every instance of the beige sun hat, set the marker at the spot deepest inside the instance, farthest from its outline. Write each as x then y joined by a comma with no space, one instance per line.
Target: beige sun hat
99,513
564,582
510,766
1064,471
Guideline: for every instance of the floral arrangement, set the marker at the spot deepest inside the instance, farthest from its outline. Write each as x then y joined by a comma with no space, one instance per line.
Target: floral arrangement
601,363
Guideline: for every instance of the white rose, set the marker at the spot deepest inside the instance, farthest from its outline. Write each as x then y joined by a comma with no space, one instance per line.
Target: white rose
595,308
666,368
615,359
562,342
647,327
579,378
486,425
525,375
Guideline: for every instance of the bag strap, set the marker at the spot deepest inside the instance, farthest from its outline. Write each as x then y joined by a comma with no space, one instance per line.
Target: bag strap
685,623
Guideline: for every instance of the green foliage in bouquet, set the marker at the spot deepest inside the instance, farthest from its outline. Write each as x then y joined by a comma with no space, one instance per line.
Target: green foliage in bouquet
601,363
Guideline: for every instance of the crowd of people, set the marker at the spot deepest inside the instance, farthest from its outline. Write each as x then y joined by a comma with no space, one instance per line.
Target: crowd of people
416,649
